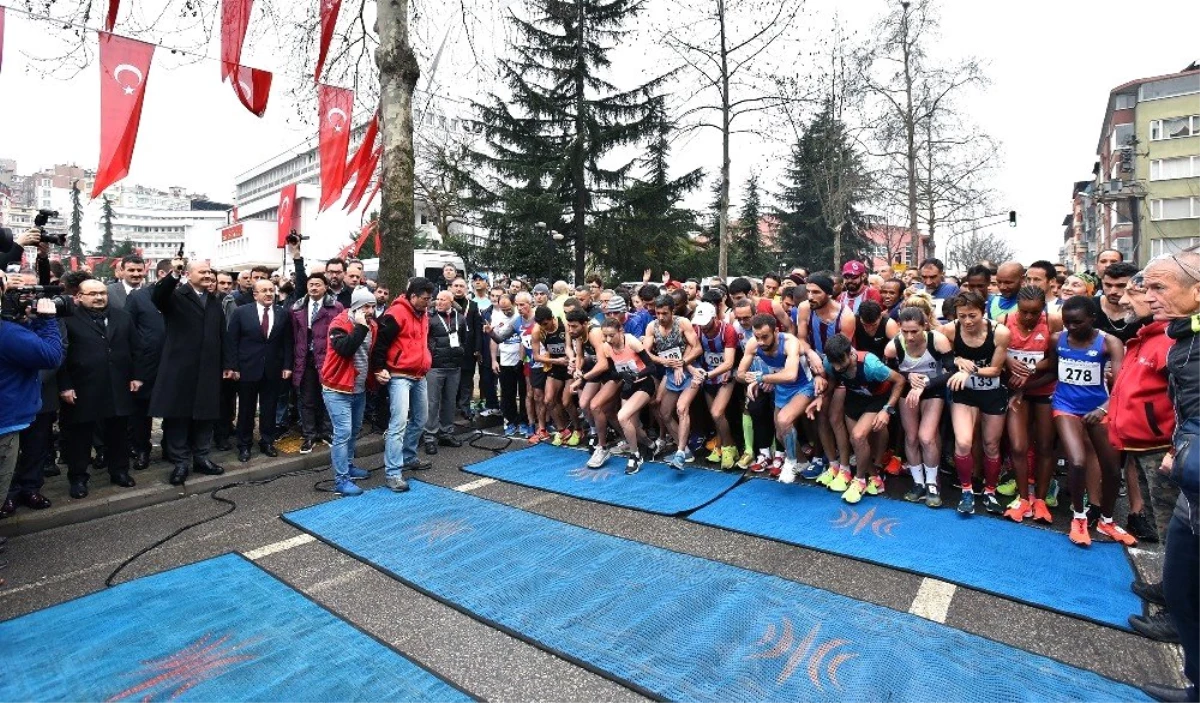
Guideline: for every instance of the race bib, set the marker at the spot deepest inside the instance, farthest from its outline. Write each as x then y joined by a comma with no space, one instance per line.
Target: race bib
454,340
556,349
983,383
714,359
1028,358
527,341
626,366
672,353
1080,373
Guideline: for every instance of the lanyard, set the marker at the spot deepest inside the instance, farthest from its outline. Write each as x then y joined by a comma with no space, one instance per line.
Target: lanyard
443,321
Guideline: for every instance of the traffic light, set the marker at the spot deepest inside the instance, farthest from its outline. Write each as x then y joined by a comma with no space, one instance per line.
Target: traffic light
1012,218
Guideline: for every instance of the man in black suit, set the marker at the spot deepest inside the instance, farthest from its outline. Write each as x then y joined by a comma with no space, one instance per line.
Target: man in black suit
187,391
258,352
96,384
150,334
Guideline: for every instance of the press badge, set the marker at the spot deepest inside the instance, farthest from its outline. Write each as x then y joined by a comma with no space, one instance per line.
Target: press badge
454,340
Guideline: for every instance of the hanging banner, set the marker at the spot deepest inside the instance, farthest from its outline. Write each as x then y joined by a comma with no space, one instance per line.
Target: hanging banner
365,149
235,20
124,70
286,214
329,15
111,20
1,37
335,105
252,87
362,180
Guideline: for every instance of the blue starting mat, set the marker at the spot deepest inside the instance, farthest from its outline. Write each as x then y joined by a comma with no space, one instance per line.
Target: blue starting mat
657,488
218,630
674,626
1035,566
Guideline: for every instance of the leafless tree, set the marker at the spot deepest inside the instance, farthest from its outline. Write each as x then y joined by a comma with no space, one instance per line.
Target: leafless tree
974,246
724,45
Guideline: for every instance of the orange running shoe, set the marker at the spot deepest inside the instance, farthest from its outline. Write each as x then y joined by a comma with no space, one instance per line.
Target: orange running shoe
540,436
1079,532
1114,532
1041,512
1018,510
892,467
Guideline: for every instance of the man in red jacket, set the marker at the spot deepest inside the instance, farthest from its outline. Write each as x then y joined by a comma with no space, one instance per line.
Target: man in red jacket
401,358
345,380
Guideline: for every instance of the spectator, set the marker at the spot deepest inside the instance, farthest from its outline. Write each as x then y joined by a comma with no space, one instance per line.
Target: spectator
187,390
149,336
448,333
258,350
225,283
354,275
402,358
133,272
335,273
223,429
344,381
243,285
377,398
933,276
485,300
1105,259
449,273
311,317
507,364
96,384
469,309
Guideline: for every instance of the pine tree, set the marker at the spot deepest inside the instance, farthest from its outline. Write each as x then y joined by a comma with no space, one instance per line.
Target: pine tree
750,257
548,139
106,241
125,248
75,229
823,183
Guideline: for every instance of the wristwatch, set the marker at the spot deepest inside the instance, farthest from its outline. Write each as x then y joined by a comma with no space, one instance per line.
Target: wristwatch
887,408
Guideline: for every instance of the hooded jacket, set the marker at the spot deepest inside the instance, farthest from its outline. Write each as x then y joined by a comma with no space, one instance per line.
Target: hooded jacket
1140,416
403,345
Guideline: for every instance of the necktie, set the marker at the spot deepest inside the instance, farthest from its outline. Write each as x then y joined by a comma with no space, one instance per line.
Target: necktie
312,319
266,321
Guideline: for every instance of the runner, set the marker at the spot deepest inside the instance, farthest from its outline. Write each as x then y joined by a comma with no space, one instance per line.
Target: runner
673,346
534,374
873,331
980,350
758,411
631,366
718,342
549,345
1080,413
818,319
1009,279
926,360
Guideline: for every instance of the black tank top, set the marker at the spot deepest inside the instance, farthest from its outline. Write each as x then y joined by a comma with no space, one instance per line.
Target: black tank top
874,343
981,356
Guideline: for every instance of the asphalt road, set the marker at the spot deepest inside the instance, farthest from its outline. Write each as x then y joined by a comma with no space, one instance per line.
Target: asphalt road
63,563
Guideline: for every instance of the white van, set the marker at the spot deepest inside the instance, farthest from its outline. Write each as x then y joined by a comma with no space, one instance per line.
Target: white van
426,262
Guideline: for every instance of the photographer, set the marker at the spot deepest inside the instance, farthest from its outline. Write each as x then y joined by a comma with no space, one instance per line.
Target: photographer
26,347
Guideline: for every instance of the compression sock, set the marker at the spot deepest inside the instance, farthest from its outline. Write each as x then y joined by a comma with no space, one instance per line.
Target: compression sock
748,431
991,472
965,467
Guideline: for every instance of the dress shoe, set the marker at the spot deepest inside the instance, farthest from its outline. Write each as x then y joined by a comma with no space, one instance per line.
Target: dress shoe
222,446
268,449
418,465
431,446
99,462
79,489
1150,592
206,467
35,501
123,480
449,440
1159,627
179,475
141,460
244,454
7,508
1169,694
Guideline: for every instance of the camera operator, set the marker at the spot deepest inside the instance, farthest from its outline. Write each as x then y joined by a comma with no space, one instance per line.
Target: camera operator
26,348
96,384
188,387
31,238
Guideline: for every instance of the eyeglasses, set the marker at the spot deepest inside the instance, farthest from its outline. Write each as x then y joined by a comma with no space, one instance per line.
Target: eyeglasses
95,294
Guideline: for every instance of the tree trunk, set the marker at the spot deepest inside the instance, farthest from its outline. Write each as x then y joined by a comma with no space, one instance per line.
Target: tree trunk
837,245
910,131
724,238
398,74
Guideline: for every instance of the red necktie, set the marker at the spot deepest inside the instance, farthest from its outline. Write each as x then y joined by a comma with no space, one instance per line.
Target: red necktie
266,321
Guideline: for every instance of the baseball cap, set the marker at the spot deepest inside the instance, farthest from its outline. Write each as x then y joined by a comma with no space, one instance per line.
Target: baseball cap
542,288
854,268
705,312
617,305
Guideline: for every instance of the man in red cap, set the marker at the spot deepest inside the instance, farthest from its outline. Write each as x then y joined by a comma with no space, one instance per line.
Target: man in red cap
854,273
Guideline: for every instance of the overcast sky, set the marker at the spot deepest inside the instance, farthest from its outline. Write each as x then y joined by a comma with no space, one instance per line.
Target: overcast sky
1051,67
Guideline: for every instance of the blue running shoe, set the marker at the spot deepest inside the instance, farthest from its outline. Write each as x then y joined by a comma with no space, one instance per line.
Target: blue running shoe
815,469
346,487
510,430
966,506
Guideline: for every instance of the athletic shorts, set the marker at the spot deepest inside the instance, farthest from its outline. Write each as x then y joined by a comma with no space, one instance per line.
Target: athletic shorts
669,379
711,389
537,377
558,373
784,394
858,404
645,385
989,402
1037,399
1064,413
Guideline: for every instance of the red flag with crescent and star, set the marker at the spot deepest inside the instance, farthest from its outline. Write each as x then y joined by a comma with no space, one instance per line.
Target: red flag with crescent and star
335,105
124,70
253,87
365,172
235,20
286,213
329,15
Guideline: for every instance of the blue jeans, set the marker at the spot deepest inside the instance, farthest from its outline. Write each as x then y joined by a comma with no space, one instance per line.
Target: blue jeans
346,413
409,413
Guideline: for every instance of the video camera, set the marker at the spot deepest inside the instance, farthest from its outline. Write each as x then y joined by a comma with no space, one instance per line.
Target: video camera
39,223
295,238
17,304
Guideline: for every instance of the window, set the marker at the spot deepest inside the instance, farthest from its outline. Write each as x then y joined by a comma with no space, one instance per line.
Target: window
1122,134
1170,87
1175,208
1158,247
1174,128
1181,167
1126,101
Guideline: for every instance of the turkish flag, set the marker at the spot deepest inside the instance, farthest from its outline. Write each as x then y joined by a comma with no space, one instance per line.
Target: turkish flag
365,150
1,36
363,180
124,70
286,213
253,87
335,107
329,15
113,6
235,20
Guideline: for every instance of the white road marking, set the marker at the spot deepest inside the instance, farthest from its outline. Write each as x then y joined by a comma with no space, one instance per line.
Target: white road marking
468,487
298,540
933,600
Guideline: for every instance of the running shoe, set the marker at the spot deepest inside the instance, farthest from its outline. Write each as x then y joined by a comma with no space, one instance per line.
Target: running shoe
634,464
695,442
1041,511
1141,527
1018,510
1079,532
841,482
776,466
524,430
689,456
813,471
875,486
1052,494
599,456
760,465
1007,488
854,492
659,446
745,460
788,473
933,499
676,461
966,505
1116,533
893,466
827,477
916,494
992,504
713,445
729,458
714,455
576,439
559,438
511,430
1093,514
621,448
